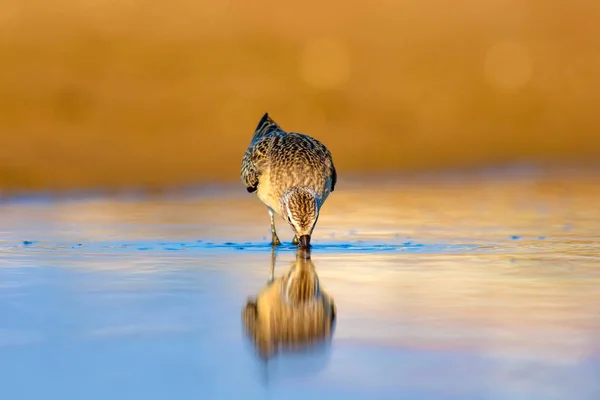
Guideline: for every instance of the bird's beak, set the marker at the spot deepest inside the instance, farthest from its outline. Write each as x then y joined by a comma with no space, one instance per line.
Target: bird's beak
304,241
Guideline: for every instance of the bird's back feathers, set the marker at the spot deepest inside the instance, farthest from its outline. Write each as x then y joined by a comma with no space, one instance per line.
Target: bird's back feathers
288,159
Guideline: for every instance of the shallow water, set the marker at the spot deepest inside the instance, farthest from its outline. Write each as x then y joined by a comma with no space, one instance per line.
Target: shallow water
449,288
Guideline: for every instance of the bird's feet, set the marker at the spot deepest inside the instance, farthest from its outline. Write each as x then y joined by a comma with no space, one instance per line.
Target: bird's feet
295,240
275,240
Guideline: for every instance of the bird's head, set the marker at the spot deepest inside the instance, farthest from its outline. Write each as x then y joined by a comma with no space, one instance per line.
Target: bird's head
299,207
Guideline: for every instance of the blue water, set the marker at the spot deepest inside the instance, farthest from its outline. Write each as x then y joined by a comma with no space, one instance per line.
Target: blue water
103,299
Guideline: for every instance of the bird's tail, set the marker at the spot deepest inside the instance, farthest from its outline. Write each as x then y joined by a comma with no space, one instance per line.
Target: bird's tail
266,125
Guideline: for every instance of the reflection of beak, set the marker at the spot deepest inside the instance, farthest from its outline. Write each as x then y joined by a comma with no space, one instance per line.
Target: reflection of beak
304,252
304,241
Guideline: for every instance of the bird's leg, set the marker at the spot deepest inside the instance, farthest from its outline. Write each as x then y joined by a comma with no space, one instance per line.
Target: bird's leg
272,273
295,240
274,239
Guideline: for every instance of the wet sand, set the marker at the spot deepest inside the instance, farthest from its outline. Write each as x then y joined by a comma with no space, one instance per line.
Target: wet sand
445,288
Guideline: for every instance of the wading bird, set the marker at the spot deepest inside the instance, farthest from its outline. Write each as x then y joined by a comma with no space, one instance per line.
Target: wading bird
292,174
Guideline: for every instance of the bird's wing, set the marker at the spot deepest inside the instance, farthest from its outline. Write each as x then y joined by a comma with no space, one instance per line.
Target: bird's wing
327,157
333,176
257,153
254,161
319,150
250,172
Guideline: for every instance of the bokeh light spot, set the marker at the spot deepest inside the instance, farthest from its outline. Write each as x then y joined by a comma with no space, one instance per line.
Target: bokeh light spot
508,66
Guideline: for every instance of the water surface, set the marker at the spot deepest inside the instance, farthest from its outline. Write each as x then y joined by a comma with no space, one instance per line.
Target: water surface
479,288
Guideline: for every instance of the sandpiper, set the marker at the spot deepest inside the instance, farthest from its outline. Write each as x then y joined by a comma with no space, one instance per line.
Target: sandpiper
292,174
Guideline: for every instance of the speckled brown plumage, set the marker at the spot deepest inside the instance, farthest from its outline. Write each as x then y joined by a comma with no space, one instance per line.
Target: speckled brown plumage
291,312
291,173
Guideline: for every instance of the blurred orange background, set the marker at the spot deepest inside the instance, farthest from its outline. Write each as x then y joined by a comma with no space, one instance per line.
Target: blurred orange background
117,93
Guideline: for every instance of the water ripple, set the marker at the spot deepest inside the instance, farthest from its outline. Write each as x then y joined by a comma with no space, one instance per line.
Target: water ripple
201,246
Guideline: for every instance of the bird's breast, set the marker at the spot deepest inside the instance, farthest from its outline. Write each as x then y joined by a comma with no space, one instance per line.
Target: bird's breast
267,192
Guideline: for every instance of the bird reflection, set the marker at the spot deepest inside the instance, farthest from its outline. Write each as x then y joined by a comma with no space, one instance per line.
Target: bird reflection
292,312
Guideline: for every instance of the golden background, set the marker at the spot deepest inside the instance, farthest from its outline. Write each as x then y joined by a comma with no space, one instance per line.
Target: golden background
117,93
